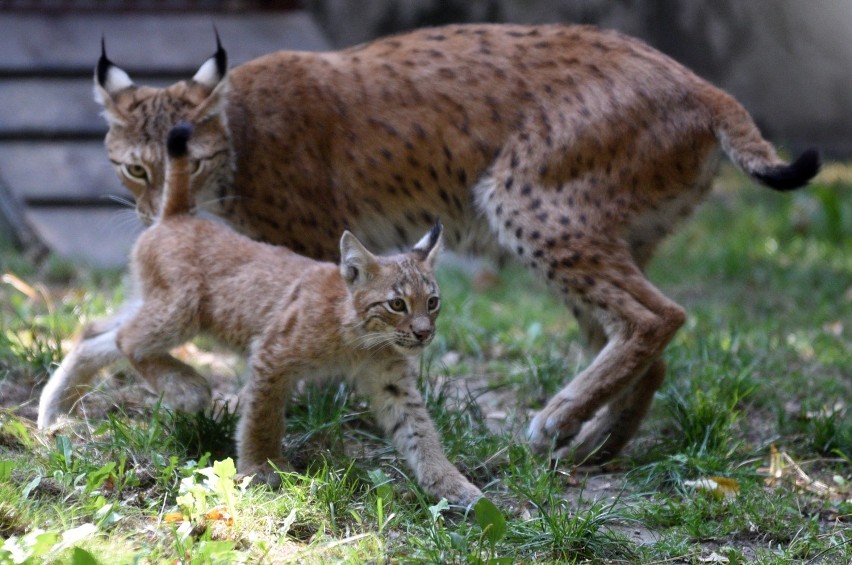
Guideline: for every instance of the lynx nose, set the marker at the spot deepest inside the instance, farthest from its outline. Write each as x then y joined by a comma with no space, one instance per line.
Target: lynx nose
421,329
422,335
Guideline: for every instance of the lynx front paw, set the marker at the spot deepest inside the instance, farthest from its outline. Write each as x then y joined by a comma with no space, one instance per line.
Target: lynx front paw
465,495
268,472
455,488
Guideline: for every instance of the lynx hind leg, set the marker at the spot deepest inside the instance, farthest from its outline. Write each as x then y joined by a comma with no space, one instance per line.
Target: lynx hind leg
262,424
72,378
614,425
399,410
96,349
563,235
639,323
145,340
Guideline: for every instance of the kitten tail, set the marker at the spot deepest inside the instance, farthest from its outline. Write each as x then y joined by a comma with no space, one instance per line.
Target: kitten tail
177,196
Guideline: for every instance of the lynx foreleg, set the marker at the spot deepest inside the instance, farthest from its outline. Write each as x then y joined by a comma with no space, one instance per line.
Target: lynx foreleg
400,411
263,404
145,340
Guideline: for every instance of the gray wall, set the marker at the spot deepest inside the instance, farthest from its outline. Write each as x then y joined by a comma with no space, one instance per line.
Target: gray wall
788,61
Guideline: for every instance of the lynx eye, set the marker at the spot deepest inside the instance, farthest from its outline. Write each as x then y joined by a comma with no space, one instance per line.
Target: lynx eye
433,303
397,304
194,166
136,171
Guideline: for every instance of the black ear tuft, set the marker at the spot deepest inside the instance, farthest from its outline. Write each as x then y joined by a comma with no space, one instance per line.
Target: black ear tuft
794,175
435,233
221,55
178,139
424,248
103,64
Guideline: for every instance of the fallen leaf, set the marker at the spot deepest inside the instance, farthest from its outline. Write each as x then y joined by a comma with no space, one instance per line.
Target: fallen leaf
172,517
720,486
220,514
784,469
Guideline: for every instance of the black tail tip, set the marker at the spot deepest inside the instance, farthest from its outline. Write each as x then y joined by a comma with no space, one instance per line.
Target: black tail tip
178,140
794,175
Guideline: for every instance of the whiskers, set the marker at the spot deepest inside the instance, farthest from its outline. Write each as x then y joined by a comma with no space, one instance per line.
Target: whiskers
375,341
122,223
208,203
123,200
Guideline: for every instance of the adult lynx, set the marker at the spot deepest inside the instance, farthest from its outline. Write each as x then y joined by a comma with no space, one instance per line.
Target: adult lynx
572,149
296,318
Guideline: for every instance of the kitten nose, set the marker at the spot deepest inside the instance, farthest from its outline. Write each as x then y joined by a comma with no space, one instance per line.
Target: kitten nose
422,335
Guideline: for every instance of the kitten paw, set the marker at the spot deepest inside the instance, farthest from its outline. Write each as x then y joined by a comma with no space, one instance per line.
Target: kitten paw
466,496
268,473
456,489
186,394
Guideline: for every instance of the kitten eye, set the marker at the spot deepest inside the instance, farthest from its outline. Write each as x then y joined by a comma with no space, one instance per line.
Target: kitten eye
433,303
397,305
194,166
136,171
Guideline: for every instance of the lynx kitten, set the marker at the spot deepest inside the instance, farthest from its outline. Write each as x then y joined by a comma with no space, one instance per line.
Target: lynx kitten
296,318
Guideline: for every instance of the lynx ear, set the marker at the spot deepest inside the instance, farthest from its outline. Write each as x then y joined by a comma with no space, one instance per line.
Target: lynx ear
214,69
357,264
109,81
429,247
213,74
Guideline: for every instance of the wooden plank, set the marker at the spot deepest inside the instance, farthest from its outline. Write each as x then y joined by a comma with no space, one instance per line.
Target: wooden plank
34,44
15,226
98,237
44,108
51,148
58,169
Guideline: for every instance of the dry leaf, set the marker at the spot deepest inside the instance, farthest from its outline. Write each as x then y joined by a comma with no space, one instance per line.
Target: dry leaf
108,484
220,514
720,486
784,469
172,517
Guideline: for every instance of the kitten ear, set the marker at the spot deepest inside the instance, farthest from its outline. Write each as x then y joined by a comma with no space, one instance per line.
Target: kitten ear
109,81
213,74
429,247
357,264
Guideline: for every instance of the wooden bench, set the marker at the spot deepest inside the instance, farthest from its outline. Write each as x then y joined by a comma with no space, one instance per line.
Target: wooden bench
54,174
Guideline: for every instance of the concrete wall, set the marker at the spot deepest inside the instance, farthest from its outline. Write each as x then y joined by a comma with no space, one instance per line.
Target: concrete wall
788,61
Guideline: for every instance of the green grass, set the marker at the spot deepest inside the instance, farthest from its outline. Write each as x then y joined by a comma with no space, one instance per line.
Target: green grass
759,379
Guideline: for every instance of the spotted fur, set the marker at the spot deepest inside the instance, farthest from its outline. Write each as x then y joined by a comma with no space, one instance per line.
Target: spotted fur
295,318
571,149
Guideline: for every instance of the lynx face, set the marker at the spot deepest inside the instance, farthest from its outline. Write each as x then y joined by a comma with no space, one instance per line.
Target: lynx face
396,300
140,118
